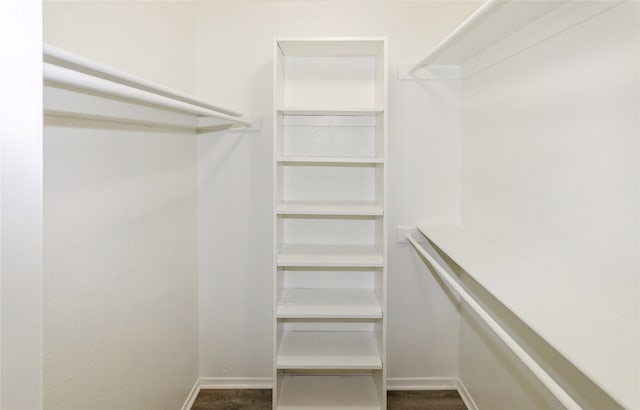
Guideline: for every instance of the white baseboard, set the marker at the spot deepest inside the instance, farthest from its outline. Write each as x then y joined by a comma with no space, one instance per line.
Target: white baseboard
193,394
399,383
236,383
422,383
466,397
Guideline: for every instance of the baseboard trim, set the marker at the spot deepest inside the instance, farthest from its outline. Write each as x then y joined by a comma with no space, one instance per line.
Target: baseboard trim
466,397
398,383
422,383
236,383
193,395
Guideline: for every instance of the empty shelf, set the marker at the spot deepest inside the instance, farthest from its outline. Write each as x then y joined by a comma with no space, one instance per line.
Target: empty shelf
328,304
331,160
329,256
329,111
302,392
328,350
342,208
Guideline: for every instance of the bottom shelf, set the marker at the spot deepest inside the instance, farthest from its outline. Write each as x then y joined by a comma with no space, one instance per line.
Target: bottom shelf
334,392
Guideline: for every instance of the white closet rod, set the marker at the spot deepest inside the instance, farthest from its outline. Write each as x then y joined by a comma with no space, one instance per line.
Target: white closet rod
75,79
65,59
478,15
528,361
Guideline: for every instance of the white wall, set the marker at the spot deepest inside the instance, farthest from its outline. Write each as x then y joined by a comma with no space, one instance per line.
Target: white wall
21,205
153,40
120,282
234,60
120,291
550,172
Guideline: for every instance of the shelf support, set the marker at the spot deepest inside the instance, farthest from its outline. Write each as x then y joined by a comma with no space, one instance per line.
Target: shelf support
432,72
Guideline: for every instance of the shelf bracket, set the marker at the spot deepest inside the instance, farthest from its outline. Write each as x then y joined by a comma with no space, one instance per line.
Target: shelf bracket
209,124
430,72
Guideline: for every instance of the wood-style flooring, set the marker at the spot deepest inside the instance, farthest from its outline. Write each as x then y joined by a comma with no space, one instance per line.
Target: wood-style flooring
261,400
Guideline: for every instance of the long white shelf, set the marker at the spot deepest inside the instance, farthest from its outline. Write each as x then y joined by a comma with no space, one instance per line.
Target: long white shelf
586,333
329,111
62,69
301,392
301,255
328,350
330,303
492,22
331,160
336,208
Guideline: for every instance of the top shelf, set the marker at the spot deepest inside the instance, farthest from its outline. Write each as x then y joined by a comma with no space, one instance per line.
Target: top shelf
492,22
598,341
331,46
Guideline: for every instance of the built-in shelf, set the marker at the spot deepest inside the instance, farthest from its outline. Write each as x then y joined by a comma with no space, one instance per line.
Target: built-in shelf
330,160
329,236
329,111
335,392
318,303
584,331
492,22
329,256
328,350
336,208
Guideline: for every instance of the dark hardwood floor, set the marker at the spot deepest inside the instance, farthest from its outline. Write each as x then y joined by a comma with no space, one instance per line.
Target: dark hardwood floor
424,400
233,400
261,400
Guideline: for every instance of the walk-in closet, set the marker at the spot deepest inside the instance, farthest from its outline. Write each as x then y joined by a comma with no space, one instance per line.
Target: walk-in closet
319,204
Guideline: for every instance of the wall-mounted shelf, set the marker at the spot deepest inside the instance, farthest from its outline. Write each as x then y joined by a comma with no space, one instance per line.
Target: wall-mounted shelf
492,22
566,322
76,87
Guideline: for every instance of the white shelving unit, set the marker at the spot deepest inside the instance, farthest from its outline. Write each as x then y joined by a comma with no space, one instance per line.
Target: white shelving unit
329,223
